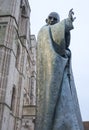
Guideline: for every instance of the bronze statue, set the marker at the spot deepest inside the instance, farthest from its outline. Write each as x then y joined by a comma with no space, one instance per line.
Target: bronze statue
57,104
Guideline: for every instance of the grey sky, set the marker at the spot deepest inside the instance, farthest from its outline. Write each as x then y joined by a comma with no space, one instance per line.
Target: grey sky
79,40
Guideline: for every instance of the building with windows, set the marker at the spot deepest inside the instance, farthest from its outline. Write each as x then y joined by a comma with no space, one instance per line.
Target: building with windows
17,66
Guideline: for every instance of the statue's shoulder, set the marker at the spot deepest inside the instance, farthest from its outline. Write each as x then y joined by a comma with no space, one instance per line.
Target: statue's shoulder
43,30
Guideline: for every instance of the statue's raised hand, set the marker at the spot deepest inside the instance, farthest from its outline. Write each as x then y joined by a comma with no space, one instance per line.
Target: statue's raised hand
71,13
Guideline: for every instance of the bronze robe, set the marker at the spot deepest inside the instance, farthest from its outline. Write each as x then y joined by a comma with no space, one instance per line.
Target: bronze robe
57,104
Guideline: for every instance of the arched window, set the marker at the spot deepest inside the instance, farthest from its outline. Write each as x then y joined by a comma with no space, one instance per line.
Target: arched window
13,98
23,8
18,55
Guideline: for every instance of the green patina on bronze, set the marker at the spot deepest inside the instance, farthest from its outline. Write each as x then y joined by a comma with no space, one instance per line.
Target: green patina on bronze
57,104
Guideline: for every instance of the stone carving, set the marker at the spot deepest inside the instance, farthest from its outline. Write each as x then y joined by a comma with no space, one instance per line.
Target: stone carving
26,99
33,91
28,124
57,104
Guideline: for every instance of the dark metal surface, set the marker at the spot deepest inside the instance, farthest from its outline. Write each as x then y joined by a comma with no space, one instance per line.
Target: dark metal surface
57,104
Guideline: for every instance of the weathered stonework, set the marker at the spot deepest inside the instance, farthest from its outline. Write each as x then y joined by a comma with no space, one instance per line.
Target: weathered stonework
17,66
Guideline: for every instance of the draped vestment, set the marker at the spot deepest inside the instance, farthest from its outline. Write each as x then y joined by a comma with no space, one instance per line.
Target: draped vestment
57,103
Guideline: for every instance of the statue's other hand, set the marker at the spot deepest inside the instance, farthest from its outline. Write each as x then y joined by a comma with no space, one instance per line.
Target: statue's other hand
71,13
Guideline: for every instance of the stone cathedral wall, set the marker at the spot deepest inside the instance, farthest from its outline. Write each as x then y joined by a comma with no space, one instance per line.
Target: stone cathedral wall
17,66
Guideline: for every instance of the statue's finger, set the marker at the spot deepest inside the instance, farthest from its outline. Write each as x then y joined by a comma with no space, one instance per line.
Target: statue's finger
74,18
71,10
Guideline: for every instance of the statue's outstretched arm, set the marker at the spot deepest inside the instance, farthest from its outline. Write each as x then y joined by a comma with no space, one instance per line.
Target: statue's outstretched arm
69,21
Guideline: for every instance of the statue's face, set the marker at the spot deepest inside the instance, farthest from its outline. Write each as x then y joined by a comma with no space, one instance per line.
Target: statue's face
53,18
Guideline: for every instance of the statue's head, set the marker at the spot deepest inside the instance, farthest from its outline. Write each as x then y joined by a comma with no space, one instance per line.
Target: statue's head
53,18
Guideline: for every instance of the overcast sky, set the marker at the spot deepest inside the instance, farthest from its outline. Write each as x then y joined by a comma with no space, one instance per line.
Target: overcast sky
79,40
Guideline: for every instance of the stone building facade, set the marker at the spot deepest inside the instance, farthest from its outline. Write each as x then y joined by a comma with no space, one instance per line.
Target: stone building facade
17,66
